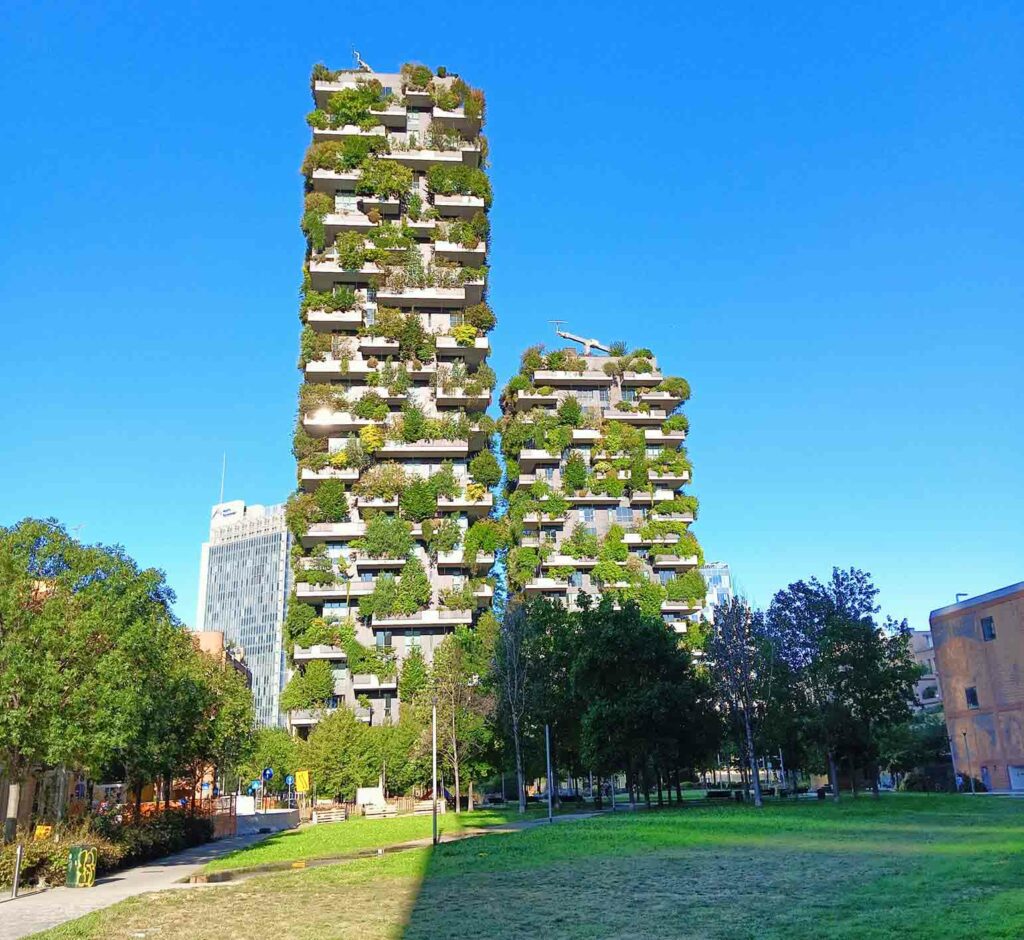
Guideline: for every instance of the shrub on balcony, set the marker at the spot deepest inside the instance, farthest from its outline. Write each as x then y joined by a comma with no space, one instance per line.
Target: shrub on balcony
675,423
680,504
570,412
558,439
475,492
555,505
460,598
442,536
353,105
341,156
384,178
300,512
314,396
414,207
418,501
485,469
613,546
305,446
352,252
581,544
318,119
522,565
414,423
415,76
414,677
458,179
675,385
688,587
482,317
317,205
414,342
310,688
341,298
331,500
464,334
371,407
383,600
444,482
415,587
484,535
574,474
372,438
382,481
386,537
391,235
313,346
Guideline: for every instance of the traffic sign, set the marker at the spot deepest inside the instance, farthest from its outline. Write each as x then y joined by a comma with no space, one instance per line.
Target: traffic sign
302,781
268,773
289,780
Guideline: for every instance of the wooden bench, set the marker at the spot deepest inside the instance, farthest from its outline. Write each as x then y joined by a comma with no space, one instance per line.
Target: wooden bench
340,814
379,812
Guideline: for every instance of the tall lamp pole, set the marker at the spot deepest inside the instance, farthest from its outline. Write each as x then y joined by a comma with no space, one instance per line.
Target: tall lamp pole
433,748
547,750
967,748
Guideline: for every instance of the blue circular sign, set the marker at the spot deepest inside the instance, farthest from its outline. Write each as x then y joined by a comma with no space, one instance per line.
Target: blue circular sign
289,780
268,773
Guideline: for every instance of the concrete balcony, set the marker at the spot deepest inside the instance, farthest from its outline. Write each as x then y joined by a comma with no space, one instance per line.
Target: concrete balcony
459,399
635,540
308,718
465,504
432,618
585,436
464,296
672,480
670,439
457,119
567,561
676,562
324,321
594,499
311,479
322,90
458,206
330,181
647,498
686,517
665,400
362,563
560,377
525,400
442,450
448,348
421,159
325,272
385,205
453,251
641,379
636,418
307,654
377,346
546,586
355,371
530,457
680,607
370,682
349,130
484,560
333,592
378,505
537,519
332,532
327,423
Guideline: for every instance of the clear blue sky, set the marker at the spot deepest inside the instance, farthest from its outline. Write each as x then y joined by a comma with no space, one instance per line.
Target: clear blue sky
814,212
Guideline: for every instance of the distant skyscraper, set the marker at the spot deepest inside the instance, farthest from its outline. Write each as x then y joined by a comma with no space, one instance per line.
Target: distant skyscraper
719,581
244,581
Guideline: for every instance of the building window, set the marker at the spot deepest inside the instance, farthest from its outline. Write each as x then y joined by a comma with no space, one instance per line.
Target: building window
576,579
988,628
971,694
588,513
629,394
624,515
412,639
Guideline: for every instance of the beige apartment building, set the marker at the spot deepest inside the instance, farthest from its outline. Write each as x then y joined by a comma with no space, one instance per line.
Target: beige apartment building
596,466
927,691
979,655
394,359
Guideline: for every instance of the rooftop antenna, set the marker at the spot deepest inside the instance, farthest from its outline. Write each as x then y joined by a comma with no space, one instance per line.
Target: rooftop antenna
959,596
587,344
223,473
361,66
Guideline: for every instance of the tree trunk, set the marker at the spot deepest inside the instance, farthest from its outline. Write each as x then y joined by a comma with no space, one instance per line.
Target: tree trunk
833,776
138,801
657,778
595,795
753,760
455,766
853,777
874,781
469,804
520,781
679,787
13,807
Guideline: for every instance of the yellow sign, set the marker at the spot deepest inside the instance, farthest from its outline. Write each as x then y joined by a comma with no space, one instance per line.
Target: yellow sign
302,781
42,832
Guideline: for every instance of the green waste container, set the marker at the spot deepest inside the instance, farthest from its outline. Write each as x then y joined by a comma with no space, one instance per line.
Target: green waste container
81,866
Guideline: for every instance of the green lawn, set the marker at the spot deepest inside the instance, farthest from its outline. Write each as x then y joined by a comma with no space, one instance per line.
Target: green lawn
358,834
925,867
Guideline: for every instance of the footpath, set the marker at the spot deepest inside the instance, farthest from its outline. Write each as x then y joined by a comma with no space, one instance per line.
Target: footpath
31,913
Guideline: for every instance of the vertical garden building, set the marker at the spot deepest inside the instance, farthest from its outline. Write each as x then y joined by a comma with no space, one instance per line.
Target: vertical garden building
596,465
391,518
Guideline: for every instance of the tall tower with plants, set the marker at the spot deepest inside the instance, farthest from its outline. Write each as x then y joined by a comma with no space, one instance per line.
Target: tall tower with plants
392,516
596,466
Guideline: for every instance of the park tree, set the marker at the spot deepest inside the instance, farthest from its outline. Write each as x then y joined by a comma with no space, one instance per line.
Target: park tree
512,666
342,755
277,749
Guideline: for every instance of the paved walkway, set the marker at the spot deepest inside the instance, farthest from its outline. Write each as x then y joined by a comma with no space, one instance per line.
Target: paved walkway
34,912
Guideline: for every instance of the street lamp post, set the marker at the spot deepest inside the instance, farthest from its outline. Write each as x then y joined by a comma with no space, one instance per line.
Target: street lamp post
547,750
433,747
967,749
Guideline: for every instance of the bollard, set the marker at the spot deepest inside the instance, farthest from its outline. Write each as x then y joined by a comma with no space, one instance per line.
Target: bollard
19,852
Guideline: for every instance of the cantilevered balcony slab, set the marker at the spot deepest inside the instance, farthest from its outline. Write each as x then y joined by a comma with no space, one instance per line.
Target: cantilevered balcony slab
306,654
475,352
330,181
311,479
327,423
349,130
567,561
593,499
368,683
332,532
530,457
637,419
459,399
324,321
525,400
664,400
467,153
464,207
325,273
453,251
362,563
428,296
376,504
464,504
338,591
641,379
671,480
484,561
425,618
534,520
560,377
670,439
469,126
546,586
680,607
442,450
675,562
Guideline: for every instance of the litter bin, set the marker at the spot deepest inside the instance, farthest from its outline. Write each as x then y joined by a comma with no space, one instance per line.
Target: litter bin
81,866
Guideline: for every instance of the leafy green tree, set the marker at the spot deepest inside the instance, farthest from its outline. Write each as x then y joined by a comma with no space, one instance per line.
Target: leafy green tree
414,676
332,501
342,755
419,501
484,469
310,688
275,748
574,476
415,587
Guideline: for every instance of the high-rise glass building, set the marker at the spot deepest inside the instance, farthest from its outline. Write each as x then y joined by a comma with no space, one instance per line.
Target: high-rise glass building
244,581
719,582
596,465
392,443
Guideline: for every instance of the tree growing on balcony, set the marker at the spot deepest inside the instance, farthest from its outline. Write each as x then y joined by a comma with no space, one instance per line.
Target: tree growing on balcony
485,469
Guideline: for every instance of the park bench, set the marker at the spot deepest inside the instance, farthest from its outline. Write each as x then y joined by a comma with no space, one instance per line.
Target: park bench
379,812
338,814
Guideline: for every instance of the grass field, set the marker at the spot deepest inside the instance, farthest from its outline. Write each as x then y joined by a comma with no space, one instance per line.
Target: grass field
361,833
927,867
